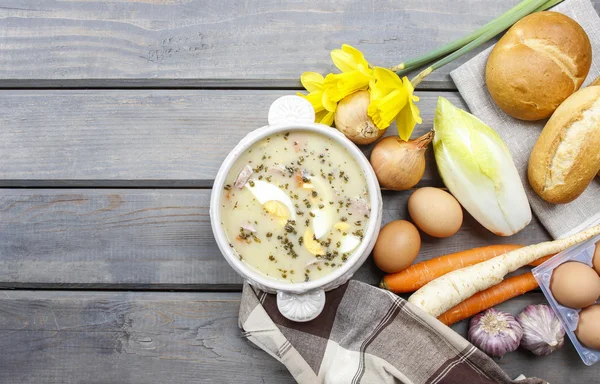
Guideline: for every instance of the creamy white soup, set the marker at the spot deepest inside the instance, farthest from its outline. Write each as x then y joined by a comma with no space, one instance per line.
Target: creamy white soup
294,206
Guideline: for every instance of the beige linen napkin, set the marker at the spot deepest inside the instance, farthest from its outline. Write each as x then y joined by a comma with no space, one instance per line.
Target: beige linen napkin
520,136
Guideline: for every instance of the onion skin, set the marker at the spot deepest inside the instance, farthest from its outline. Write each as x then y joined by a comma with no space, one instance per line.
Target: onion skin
400,165
542,331
495,332
352,120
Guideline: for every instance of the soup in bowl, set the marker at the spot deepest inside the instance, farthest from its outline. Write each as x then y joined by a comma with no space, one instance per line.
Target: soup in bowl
296,209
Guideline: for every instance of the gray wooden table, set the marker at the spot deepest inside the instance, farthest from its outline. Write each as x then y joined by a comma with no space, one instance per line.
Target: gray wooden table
114,118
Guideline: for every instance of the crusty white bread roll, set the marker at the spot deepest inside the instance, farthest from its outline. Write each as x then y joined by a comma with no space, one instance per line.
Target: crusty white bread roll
537,64
596,82
566,156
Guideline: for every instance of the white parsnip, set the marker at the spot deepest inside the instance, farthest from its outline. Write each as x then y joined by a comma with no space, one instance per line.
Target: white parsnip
446,291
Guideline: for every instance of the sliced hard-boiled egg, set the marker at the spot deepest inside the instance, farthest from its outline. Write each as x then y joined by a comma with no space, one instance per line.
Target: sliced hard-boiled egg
323,217
321,221
278,209
323,189
313,246
266,192
349,243
341,226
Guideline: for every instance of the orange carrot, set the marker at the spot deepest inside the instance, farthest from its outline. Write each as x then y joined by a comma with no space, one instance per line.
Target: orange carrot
506,290
299,179
540,261
417,275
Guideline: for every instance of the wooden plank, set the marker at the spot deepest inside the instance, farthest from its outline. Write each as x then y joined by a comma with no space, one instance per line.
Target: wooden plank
138,138
55,337
166,337
151,239
247,43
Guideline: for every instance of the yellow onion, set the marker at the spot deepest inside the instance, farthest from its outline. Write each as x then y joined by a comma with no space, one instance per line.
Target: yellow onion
399,164
352,120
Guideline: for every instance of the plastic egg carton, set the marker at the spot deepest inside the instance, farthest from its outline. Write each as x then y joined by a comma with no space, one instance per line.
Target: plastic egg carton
569,317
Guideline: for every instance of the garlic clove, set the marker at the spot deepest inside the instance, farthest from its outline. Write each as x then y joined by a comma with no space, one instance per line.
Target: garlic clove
542,331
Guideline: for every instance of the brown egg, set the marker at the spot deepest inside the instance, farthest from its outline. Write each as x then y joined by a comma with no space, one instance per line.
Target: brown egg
397,246
575,285
435,212
596,260
588,328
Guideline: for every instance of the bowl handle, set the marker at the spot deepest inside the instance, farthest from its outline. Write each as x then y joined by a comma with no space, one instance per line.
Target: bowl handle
291,109
301,307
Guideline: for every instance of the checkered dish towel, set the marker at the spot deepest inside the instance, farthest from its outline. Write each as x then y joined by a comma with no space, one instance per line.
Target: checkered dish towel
366,335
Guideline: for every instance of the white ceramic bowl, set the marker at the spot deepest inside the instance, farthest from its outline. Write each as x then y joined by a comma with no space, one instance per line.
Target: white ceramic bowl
297,301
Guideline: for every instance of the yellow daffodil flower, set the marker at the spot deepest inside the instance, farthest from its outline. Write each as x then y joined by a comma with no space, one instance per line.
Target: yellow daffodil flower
356,75
325,93
392,98
314,83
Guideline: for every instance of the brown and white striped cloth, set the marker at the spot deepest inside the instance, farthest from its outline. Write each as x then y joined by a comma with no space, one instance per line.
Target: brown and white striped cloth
366,335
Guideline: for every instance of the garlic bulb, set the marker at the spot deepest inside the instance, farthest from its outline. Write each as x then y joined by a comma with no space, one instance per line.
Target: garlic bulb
542,331
398,164
495,332
352,120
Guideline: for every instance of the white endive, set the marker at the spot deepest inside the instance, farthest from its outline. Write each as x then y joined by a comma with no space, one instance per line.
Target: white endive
478,169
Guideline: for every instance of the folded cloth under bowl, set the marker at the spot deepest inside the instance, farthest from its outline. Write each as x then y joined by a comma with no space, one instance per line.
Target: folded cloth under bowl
520,136
366,335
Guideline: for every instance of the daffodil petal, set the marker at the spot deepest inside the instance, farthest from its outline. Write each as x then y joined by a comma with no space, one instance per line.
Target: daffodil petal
357,55
328,100
405,124
312,81
315,99
387,78
325,117
415,112
349,59
376,91
342,60
407,85
407,119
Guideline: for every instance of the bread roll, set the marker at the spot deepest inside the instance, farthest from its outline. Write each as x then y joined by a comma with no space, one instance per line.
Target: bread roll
566,156
596,82
537,64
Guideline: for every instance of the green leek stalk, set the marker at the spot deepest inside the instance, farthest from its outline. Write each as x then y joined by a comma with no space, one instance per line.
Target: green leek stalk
478,169
409,65
466,44
502,24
